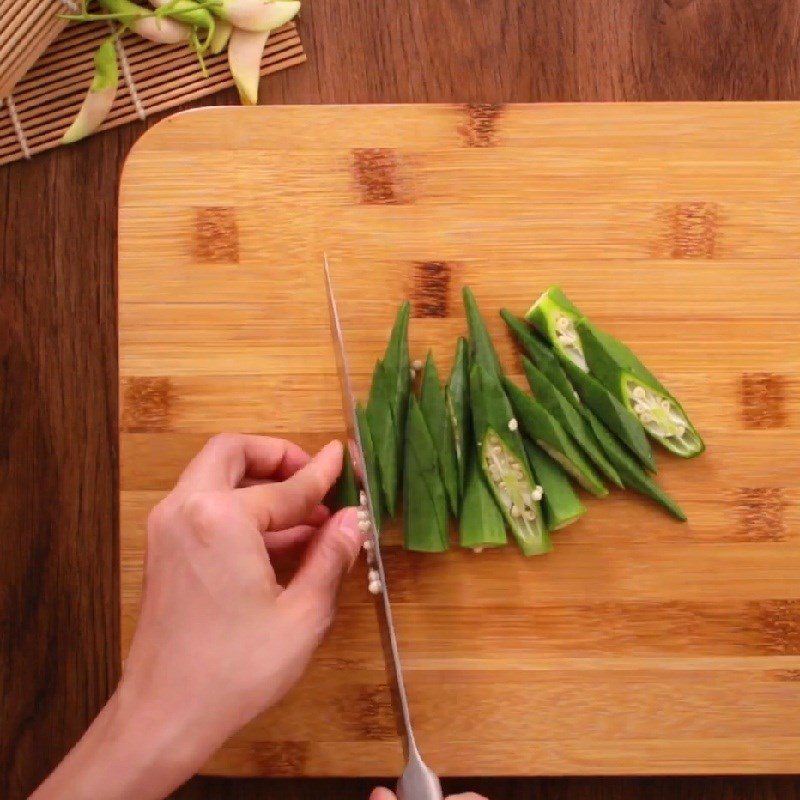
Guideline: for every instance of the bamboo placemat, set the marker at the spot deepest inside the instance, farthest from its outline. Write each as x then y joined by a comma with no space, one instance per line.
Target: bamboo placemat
153,77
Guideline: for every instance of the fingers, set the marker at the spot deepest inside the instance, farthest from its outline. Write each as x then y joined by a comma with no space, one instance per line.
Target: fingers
330,556
275,506
467,796
379,793
290,541
228,457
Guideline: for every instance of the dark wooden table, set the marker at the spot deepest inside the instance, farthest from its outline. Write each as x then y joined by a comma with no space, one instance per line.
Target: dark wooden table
58,342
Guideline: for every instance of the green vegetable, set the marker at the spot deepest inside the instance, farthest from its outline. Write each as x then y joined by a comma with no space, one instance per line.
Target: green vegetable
481,524
561,505
372,477
491,408
621,422
513,487
345,491
482,349
633,476
383,429
457,401
555,316
621,372
425,508
434,409
540,426
568,417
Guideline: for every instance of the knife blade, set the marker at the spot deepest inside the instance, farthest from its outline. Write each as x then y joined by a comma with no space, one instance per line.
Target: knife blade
418,781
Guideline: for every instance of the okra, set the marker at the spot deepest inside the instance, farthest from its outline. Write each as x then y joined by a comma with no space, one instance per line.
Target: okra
491,408
516,493
345,492
384,433
623,374
555,316
561,505
371,478
633,476
482,349
612,412
434,410
540,426
457,401
481,524
568,417
425,507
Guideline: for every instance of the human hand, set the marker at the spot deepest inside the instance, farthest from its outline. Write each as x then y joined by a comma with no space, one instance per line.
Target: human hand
386,794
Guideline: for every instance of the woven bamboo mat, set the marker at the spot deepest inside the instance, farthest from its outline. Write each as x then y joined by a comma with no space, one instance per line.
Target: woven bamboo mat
153,78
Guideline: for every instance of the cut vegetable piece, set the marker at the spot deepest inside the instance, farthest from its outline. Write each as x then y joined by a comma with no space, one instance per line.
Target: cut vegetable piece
346,490
633,476
540,426
618,369
556,318
256,15
561,505
434,409
398,366
425,507
372,477
245,49
481,523
513,487
383,428
482,349
568,417
457,401
613,413
100,96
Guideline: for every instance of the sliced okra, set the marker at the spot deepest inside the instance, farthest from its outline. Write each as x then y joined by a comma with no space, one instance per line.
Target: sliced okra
612,413
384,431
425,502
482,349
372,478
434,410
561,505
515,491
398,364
568,417
621,372
457,402
556,318
481,523
345,492
540,426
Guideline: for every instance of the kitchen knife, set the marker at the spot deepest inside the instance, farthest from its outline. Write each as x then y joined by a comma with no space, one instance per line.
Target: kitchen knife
418,781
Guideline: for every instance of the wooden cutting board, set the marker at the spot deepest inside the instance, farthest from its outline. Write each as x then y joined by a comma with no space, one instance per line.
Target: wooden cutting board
639,645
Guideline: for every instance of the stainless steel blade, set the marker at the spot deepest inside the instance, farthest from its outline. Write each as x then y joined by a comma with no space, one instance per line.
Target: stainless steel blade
418,782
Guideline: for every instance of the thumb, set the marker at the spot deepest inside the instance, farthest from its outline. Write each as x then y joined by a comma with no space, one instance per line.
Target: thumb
380,793
329,557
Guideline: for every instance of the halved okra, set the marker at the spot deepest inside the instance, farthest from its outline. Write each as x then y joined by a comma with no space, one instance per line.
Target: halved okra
434,409
482,349
457,402
345,490
425,507
556,318
384,431
568,417
611,412
540,426
561,505
620,371
481,523
633,476
372,477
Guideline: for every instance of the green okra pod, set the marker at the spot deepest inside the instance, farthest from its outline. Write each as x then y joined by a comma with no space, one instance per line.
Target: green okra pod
491,408
561,505
540,426
556,318
372,476
570,419
480,524
425,507
345,492
612,413
384,433
482,349
457,402
434,410
623,374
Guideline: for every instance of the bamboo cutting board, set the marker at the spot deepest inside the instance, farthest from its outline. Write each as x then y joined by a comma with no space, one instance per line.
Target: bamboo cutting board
639,645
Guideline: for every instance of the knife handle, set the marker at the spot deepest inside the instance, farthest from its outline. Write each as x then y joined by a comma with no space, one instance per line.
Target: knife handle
418,781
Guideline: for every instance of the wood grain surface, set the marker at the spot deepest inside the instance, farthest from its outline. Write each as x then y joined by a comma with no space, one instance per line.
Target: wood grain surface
59,654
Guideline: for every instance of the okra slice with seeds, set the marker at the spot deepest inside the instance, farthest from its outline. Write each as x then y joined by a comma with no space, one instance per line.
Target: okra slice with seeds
540,426
372,477
434,409
481,523
621,372
425,502
517,494
457,402
384,433
482,349
561,505
568,417
556,318
345,492
612,413
633,476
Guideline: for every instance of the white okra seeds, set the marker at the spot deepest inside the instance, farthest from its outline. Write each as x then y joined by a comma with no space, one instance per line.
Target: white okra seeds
375,587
